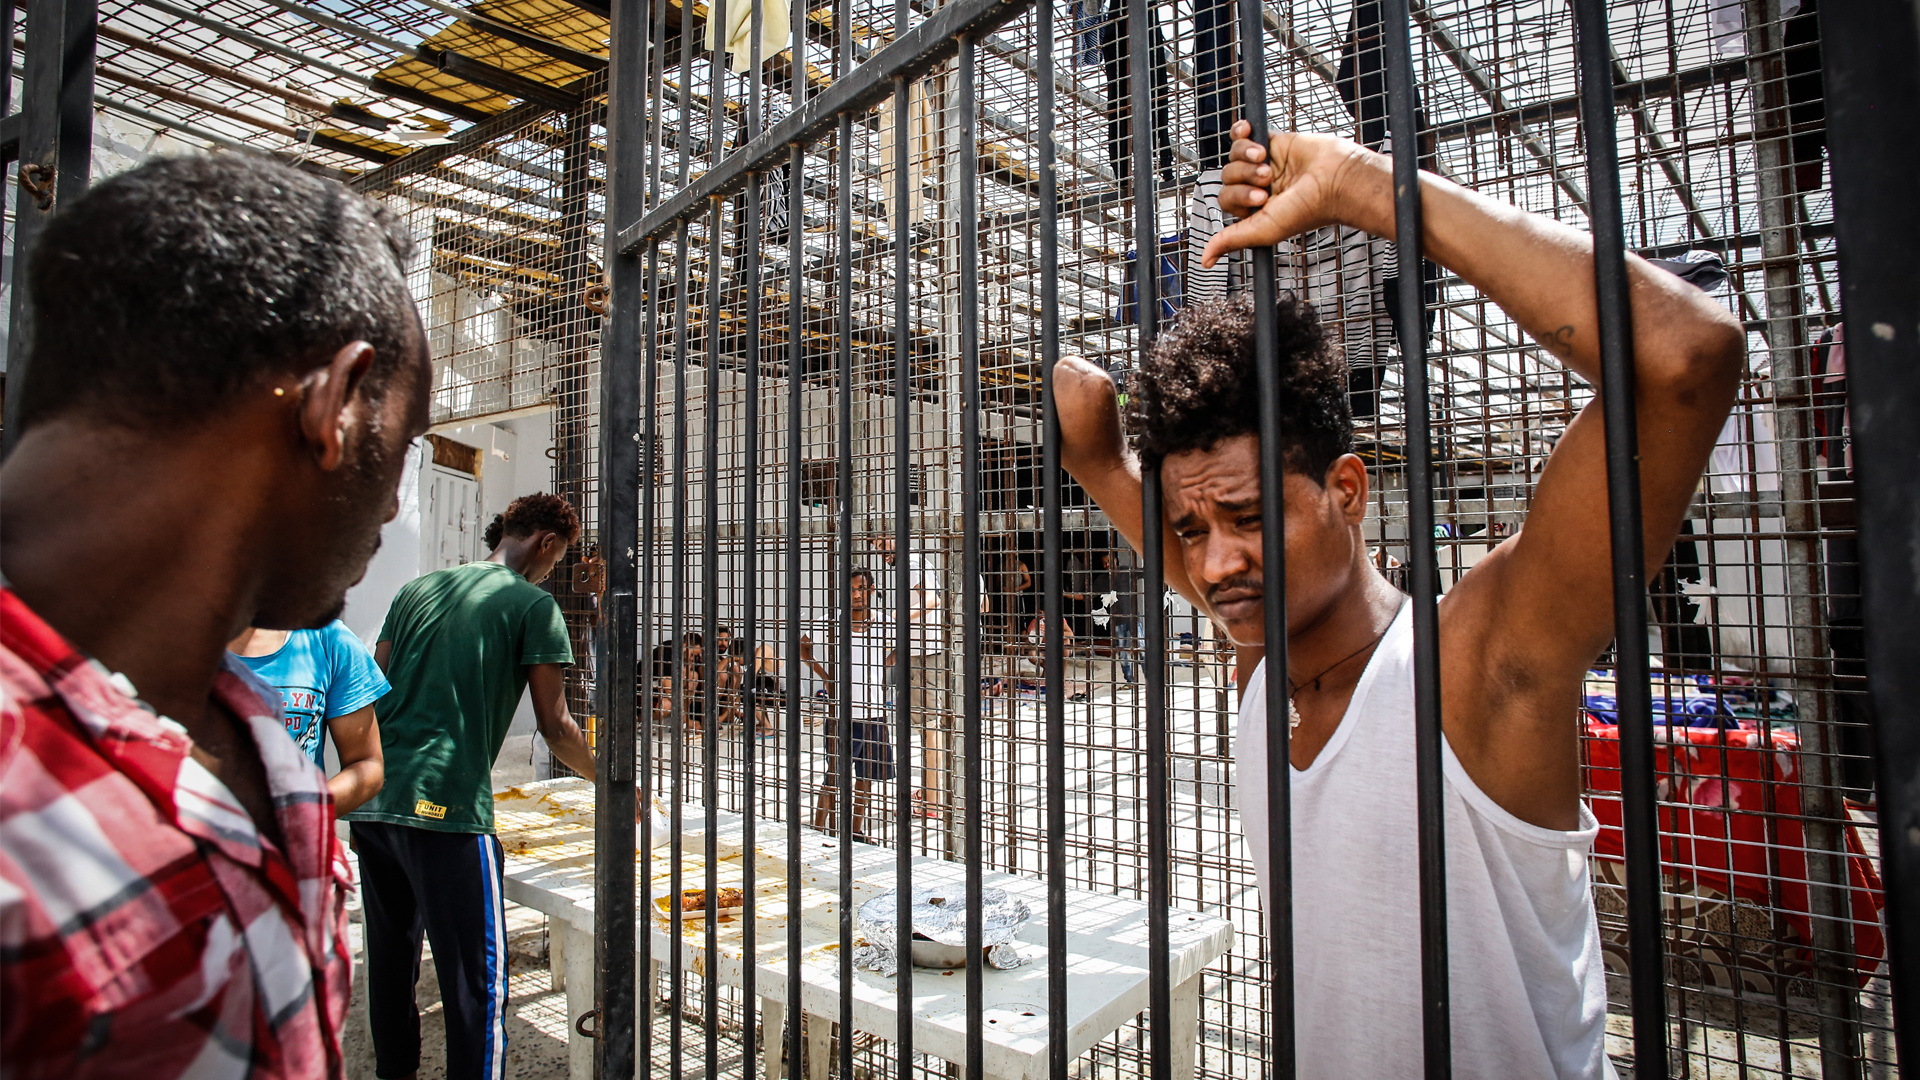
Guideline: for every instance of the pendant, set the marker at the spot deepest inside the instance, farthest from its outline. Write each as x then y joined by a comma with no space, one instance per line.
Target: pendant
1293,716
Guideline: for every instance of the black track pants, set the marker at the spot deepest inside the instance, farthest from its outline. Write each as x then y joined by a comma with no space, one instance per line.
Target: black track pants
445,886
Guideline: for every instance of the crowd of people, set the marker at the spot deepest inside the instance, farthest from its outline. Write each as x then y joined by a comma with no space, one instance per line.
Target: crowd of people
226,371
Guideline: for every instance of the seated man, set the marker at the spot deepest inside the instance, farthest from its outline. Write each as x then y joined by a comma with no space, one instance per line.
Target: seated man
1516,634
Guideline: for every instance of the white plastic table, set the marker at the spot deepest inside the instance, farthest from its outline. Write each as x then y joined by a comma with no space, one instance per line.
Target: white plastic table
547,831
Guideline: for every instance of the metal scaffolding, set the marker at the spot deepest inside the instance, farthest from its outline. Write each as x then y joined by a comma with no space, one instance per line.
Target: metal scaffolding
783,305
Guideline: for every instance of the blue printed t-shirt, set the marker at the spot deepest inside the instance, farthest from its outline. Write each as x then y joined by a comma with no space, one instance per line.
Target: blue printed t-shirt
320,674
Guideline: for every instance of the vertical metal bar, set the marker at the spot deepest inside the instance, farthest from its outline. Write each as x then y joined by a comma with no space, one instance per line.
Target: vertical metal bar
709,633
843,341
648,552
615,686
710,544
677,742
676,736
966,105
902,537
796,476
1423,573
1279,898
1051,487
56,143
1871,53
656,160
1646,975
750,599
1837,1003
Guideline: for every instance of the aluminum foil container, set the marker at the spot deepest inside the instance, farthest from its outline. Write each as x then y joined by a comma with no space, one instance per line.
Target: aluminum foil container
940,916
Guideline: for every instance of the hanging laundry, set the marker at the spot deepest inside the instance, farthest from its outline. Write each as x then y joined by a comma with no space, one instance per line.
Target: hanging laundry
1114,49
923,134
1231,275
1216,76
1730,468
1171,296
776,31
1086,37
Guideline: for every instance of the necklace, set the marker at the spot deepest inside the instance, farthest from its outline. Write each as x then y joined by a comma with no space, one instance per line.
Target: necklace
1293,688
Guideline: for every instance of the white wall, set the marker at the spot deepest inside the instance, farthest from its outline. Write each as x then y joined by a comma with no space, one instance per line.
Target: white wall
514,462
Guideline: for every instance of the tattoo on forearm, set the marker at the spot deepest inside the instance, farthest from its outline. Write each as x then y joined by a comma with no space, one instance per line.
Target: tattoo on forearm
1559,343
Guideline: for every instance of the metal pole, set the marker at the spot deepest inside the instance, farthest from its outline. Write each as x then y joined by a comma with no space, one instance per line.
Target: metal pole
710,554
56,158
1279,898
968,135
1871,53
616,689
750,599
903,407
1825,812
796,476
1647,967
1058,1028
1423,573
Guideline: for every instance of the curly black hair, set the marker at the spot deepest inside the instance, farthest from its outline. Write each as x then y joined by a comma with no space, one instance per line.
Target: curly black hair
530,514
496,529
1198,386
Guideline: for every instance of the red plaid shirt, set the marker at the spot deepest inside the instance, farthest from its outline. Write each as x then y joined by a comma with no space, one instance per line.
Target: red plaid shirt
147,930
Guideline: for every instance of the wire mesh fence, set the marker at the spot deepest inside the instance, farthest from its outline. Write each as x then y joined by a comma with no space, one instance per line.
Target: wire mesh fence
844,363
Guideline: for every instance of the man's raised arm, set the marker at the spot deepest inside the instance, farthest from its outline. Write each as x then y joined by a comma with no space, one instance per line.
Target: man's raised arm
1095,453
1519,631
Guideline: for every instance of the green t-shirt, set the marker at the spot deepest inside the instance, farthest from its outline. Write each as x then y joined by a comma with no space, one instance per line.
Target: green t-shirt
460,643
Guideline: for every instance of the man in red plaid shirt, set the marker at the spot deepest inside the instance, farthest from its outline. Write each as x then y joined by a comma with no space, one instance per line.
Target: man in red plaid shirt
226,369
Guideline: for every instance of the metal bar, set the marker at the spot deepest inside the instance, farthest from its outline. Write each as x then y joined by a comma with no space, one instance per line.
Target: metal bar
181,97
616,688
903,404
1482,84
1424,570
968,136
345,112
677,743
583,60
56,148
1871,53
371,83
1279,895
749,637
909,56
466,142
647,550
1053,606
264,44
710,575
843,335
7,13
1647,976
1565,108
796,476
1786,335
192,130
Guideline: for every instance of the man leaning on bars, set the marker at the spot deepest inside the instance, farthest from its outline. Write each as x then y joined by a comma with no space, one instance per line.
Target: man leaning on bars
1517,633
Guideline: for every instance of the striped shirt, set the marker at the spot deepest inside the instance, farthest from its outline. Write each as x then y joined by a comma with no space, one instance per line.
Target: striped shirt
147,929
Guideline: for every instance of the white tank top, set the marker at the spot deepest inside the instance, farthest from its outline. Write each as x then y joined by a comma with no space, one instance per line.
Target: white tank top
1528,986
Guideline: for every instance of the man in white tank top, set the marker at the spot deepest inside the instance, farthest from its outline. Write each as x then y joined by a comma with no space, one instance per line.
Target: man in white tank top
1516,634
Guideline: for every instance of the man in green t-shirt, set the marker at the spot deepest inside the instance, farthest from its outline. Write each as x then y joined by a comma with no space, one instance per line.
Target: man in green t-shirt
459,646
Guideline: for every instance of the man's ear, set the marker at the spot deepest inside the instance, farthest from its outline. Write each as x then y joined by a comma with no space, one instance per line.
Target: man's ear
326,395
1347,480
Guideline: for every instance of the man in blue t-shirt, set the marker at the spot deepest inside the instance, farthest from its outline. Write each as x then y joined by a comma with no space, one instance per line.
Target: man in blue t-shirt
327,679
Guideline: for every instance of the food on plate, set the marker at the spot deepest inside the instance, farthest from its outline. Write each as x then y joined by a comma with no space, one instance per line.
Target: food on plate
694,901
